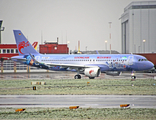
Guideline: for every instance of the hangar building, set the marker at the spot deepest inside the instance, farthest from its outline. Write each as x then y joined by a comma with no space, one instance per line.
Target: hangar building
138,27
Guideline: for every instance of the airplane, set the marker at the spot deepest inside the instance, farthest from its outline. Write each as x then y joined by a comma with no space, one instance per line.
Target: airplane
90,65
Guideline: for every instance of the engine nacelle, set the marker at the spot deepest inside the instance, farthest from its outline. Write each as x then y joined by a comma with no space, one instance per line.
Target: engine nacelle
113,73
92,72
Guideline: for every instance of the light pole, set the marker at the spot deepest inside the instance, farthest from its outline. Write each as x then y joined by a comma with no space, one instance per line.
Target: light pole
106,44
139,49
110,35
1,29
68,47
134,48
86,49
144,44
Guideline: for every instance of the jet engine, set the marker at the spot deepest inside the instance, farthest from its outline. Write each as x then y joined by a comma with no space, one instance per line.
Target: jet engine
113,73
92,72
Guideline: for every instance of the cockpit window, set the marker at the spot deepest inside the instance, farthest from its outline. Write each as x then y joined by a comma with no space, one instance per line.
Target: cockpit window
142,60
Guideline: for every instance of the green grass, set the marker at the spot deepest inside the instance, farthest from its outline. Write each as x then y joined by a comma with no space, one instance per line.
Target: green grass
81,113
80,87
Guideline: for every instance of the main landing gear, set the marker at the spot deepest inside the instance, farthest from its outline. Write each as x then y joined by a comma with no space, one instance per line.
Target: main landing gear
77,76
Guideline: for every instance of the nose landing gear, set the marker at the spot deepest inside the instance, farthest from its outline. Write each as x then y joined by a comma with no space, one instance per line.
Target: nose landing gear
133,76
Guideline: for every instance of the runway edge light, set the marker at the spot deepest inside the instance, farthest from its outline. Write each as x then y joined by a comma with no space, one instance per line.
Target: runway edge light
124,105
19,110
34,87
88,83
73,107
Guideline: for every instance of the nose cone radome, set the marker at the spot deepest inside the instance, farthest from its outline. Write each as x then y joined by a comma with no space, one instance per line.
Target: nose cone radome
145,65
150,65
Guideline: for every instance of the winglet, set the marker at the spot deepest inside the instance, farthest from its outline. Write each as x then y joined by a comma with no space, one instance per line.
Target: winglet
97,52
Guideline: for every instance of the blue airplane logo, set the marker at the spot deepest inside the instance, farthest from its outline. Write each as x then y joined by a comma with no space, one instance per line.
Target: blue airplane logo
90,65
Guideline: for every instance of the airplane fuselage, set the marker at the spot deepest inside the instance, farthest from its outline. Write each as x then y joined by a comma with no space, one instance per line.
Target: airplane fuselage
106,62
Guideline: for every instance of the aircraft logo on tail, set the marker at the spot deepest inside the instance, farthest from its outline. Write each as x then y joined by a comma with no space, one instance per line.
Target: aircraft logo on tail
22,45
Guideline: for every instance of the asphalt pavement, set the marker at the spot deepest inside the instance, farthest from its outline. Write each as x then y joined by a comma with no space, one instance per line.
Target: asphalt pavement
83,101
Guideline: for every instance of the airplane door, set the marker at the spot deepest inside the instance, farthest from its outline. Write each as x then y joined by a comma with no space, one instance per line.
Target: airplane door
37,58
130,60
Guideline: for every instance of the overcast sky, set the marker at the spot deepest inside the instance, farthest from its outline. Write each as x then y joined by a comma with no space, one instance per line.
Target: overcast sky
86,21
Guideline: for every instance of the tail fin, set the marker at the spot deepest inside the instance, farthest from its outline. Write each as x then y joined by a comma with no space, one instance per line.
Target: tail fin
23,45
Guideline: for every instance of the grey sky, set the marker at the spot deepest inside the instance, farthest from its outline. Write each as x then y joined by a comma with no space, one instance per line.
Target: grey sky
70,20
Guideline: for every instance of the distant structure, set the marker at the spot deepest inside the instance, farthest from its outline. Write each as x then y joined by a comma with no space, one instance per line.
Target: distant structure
138,23
1,29
52,47
97,52
94,51
7,51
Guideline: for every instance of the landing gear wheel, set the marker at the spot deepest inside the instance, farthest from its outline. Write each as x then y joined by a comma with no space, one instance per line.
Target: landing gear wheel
77,76
133,77
91,77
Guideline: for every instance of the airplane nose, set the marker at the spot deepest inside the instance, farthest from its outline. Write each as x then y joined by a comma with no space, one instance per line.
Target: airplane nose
150,65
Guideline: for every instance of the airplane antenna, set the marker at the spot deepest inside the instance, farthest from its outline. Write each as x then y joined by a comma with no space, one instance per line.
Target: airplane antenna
97,52
41,37
78,46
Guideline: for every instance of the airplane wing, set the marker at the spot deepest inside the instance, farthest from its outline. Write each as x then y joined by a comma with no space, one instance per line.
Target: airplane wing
19,59
72,66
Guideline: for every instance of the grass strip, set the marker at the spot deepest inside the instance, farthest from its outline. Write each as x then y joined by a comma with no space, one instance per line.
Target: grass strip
78,114
80,87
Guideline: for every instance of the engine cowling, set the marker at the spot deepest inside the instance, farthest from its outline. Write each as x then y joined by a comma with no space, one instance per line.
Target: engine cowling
113,73
92,72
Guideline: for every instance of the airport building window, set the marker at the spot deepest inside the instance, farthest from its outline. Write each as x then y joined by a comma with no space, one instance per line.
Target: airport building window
16,51
4,50
143,6
8,50
12,50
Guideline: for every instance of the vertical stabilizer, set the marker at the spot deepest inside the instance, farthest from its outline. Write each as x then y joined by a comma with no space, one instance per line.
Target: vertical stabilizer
23,45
